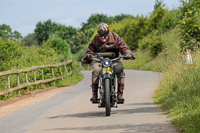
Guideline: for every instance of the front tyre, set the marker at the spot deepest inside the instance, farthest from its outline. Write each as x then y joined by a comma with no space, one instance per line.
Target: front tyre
107,97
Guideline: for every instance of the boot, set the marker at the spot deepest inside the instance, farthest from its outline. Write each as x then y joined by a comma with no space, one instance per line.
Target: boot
120,93
93,99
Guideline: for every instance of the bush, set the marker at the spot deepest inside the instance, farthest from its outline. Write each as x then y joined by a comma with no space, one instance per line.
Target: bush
60,46
190,25
169,20
9,52
153,43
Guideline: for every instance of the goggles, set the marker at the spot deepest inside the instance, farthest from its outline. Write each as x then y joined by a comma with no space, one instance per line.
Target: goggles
103,35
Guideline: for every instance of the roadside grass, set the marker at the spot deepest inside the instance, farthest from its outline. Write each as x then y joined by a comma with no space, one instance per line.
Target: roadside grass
179,93
70,80
179,96
142,58
179,90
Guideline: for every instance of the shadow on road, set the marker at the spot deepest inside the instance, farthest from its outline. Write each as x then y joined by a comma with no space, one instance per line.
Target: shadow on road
123,128
138,110
102,113
141,104
81,115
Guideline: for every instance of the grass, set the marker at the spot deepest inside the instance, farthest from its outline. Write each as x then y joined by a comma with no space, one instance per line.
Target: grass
179,93
69,80
179,96
142,58
179,90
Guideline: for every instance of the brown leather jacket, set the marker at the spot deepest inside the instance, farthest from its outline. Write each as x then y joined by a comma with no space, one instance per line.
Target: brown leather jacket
114,44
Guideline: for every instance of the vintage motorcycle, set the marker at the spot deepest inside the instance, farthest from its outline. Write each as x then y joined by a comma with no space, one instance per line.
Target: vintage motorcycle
107,95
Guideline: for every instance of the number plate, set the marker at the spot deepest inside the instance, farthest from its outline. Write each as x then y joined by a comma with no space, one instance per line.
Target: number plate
107,70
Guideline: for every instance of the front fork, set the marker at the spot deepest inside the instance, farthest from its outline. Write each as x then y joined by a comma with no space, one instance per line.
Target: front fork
113,86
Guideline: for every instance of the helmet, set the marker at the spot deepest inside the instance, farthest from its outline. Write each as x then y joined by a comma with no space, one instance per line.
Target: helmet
103,29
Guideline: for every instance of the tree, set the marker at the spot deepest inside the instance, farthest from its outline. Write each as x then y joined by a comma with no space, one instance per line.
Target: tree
30,40
190,25
6,33
121,17
78,41
59,45
16,35
94,20
66,32
156,15
44,29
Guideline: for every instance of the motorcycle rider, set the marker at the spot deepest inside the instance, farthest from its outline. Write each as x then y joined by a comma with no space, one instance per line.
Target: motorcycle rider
106,41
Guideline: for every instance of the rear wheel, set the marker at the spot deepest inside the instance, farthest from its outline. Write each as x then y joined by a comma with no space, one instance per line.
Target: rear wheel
107,97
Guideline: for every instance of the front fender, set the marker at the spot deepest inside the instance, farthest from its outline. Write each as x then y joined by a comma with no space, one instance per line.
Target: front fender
106,76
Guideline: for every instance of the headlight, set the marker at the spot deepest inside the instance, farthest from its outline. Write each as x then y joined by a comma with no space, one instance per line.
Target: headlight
106,63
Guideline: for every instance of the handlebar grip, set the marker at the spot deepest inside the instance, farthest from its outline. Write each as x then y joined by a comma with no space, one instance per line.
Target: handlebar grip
95,59
83,60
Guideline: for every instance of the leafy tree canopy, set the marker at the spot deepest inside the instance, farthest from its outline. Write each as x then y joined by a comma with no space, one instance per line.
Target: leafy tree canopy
6,33
44,29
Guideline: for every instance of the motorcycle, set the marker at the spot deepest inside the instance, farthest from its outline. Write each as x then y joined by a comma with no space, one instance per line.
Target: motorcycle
107,82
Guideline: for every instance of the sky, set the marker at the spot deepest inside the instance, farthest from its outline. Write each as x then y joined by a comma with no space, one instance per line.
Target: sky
23,15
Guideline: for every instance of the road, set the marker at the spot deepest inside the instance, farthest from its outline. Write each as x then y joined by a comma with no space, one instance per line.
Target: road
71,111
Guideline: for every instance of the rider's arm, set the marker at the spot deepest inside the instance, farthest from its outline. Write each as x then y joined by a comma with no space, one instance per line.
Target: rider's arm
123,48
90,52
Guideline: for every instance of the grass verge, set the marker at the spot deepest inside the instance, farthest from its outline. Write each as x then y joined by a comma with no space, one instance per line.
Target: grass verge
69,80
179,91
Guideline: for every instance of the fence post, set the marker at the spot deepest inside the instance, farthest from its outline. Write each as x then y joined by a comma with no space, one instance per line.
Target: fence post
8,84
26,78
18,83
71,69
52,72
35,78
60,71
42,74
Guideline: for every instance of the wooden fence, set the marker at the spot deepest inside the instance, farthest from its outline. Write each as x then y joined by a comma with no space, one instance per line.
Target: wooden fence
36,82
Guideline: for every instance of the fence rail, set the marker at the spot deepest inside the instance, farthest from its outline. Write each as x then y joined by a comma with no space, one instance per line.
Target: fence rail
36,82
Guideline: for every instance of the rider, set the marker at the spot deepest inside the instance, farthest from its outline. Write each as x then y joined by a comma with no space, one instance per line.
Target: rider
106,41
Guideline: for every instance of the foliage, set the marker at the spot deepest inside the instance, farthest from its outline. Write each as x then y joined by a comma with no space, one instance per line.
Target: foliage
59,45
78,41
44,29
94,20
69,80
30,40
131,30
169,21
153,43
9,52
6,33
142,58
80,54
122,17
156,15
179,94
190,25
134,29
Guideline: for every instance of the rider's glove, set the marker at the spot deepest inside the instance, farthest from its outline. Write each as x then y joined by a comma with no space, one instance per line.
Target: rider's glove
87,58
129,55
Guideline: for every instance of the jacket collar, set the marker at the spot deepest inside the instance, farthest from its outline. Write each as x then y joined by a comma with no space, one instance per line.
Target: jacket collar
111,38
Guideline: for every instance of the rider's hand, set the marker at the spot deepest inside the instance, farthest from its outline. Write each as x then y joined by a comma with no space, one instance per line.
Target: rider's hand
87,58
129,56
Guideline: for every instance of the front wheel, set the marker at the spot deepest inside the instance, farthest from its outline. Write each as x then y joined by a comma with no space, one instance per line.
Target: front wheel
107,97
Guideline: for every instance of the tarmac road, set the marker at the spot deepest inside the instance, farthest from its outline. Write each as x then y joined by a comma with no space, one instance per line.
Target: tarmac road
71,111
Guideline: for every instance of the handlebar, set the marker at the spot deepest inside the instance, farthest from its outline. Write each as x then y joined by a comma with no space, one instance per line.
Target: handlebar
99,60
112,60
